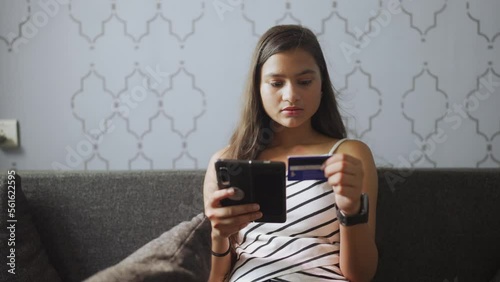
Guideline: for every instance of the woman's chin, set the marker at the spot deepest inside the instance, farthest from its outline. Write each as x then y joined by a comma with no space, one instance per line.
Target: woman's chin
290,123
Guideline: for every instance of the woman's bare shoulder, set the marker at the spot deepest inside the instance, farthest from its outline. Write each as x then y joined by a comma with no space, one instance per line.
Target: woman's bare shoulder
221,153
358,149
353,145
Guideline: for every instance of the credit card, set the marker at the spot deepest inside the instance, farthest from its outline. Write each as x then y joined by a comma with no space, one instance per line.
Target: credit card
306,167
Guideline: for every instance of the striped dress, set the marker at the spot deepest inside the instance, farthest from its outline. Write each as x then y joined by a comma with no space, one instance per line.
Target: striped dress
304,248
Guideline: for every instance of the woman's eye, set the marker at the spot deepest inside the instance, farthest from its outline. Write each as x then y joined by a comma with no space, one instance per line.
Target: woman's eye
276,83
305,82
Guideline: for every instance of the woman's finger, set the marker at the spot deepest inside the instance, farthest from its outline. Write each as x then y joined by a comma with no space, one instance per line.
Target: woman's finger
233,211
343,167
344,179
219,195
339,157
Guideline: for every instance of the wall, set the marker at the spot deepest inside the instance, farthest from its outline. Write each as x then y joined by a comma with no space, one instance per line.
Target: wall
126,85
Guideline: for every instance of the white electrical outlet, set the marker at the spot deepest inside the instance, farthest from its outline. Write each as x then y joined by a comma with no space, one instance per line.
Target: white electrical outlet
9,137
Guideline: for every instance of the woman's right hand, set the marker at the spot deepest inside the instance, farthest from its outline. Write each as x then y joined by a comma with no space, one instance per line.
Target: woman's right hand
231,219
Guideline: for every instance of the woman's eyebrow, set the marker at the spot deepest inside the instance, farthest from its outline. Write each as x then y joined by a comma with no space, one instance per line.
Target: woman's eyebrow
306,71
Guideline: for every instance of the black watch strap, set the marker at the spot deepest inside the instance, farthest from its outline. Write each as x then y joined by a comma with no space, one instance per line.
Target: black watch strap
361,217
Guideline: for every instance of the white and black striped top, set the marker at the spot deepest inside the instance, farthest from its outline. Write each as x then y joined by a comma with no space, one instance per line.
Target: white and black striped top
304,248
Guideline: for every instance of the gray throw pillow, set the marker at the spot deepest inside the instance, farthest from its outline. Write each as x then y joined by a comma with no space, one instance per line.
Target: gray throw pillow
28,261
180,254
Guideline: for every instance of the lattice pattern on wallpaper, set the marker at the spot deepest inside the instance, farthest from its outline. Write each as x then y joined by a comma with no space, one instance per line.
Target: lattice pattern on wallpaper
138,115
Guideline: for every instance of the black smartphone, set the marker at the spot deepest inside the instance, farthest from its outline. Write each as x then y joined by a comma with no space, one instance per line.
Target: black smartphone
261,182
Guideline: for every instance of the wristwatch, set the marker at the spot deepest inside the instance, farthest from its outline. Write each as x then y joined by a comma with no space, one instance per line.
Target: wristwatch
361,217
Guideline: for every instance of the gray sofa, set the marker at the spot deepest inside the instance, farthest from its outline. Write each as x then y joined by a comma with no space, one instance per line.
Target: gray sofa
432,225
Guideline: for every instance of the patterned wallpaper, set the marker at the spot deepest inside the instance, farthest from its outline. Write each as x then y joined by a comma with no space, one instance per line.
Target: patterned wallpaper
130,84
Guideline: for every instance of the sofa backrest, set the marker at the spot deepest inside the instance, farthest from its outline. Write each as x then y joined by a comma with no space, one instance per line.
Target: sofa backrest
438,225
432,224
88,221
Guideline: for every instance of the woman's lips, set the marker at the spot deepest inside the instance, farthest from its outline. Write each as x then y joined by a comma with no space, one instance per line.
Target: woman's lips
292,111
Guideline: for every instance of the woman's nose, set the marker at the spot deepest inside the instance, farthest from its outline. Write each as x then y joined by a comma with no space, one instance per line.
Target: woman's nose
290,94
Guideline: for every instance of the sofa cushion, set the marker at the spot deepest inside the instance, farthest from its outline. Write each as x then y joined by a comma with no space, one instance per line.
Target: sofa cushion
28,262
180,254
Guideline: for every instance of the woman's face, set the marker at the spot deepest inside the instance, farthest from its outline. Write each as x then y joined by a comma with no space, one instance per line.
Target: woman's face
290,87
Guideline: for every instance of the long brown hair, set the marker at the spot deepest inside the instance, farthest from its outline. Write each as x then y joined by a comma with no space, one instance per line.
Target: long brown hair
254,130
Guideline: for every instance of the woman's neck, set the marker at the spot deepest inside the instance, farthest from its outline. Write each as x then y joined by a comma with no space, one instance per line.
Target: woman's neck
287,138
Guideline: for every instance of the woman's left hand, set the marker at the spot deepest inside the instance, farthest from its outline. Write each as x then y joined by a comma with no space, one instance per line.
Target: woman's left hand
345,175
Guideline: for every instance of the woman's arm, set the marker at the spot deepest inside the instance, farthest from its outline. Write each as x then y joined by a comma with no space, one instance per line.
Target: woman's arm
351,172
225,220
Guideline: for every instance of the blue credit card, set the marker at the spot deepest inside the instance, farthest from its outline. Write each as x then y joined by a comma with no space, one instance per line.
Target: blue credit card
306,167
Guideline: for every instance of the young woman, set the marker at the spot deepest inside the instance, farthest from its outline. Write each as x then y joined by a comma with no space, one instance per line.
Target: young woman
290,109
